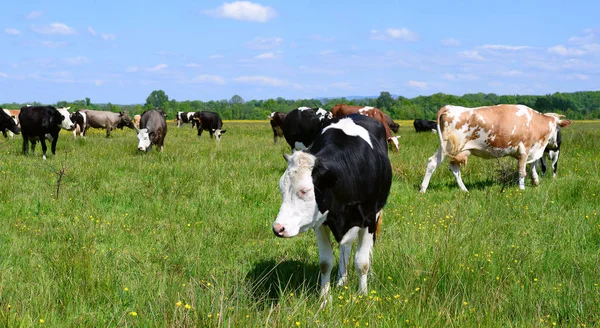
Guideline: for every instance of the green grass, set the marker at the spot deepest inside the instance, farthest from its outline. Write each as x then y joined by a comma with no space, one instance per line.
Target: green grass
138,233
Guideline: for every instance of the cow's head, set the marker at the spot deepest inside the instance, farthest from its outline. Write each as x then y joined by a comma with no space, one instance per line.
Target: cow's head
8,123
144,142
125,120
218,133
63,118
299,210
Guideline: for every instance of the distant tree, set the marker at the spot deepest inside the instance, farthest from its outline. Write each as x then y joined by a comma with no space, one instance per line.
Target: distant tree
156,99
236,100
87,101
384,101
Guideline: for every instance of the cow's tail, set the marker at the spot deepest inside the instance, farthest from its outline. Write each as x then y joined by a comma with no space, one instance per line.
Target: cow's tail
449,144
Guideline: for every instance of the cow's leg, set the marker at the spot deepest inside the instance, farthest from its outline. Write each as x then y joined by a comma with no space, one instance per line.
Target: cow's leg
33,144
554,157
432,164
455,168
54,141
44,147
522,170
362,259
200,132
543,165
534,175
25,145
5,134
275,136
108,128
325,257
345,249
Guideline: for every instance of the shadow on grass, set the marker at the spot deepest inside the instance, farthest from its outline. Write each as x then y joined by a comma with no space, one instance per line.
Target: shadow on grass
268,281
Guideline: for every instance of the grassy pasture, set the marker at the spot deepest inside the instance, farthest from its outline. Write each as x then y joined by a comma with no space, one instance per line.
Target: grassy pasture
183,238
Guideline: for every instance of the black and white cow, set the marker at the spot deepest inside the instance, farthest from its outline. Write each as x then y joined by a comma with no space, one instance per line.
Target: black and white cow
552,150
8,124
211,122
340,185
153,129
80,120
425,126
185,117
38,121
301,126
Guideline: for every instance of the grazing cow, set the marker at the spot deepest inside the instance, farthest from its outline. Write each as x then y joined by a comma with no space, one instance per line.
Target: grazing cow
153,129
107,120
492,132
425,125
80,120
276,119
342,110
39,121
393,125
552,151
339,185
301,126
136,120
210,121
185,117
8,124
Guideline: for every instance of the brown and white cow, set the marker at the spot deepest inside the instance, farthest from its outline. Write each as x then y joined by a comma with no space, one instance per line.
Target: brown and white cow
341,110
492,132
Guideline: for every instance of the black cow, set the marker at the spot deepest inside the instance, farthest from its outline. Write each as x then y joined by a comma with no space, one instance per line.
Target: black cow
425,125
7,123
153,129
38,121
340,184
211,122
552,150
301,126
276,119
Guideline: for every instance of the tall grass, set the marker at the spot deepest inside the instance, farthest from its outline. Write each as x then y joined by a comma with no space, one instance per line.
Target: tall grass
183,238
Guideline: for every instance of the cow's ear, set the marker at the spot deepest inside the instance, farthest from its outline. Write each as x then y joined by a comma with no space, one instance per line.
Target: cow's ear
324,180
121,113
223,131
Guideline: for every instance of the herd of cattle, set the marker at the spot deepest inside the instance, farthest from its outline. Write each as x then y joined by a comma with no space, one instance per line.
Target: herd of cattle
339,175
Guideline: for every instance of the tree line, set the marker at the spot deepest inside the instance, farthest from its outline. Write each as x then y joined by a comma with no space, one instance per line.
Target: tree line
575,105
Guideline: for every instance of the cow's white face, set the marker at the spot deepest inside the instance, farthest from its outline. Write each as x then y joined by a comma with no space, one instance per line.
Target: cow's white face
219,133
298,211
66,123
143,140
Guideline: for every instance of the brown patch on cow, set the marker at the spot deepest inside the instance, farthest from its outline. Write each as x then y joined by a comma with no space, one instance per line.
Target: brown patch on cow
341,110
378,224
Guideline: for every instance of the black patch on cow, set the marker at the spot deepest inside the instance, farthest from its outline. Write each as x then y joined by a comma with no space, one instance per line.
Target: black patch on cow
303,126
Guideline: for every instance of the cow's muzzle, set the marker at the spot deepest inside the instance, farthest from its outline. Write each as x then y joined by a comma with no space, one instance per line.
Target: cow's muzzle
279,230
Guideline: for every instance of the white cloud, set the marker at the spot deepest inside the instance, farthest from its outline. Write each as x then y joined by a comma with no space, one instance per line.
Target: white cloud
578,76
194,65
77,60
157,68
459,77
326,52
132,69
471,54
52,44
563,51
511,73
588,38
12,31
264,43
266,55
451,42
215,79
34,15
319,37
341,85
261,80
54,28
108,37
244,11
4,75
417,84
98,82
394,33
215,56
504,47
92,31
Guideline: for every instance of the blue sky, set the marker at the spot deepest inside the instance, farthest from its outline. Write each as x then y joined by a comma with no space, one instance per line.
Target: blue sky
119,51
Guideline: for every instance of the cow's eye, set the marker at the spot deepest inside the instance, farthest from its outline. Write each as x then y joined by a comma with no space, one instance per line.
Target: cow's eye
303,192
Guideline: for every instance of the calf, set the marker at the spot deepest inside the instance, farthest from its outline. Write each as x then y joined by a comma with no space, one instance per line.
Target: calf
210,121
276,119
8,124
38,121
80,120
153,129
342,110
340,185
107,120
301,126
425,125
492,132
552,151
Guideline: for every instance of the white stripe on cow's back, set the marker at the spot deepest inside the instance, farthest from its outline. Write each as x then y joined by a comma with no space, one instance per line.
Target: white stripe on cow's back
303,108
365,109
350,128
